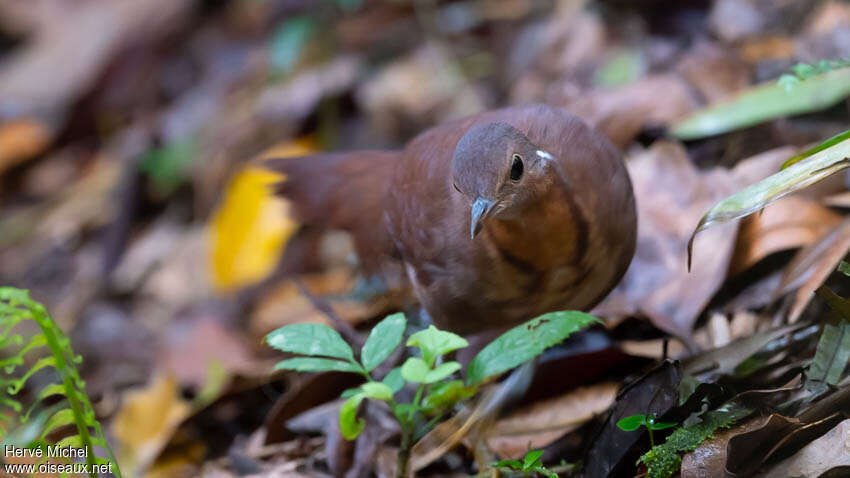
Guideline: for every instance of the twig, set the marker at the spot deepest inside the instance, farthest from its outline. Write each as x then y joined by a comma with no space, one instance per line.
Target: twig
324,307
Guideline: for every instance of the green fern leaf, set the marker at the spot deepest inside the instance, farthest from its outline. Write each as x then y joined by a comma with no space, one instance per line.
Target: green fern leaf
75,407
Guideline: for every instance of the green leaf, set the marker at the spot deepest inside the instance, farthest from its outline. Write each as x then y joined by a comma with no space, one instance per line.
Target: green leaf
383,339
288,42
310,339
445,395
403,410
377,390
844,268
624,68
804,71
824,145
839,304
687,386
61,418
765,102
442,371
512,464
661,425
755,197
631,423
315,364
832,354
349,425
350,392
525,342
532,458
72,406
434,343
394,379
415,370
167,167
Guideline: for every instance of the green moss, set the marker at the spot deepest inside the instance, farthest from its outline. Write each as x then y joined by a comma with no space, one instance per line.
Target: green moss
665,460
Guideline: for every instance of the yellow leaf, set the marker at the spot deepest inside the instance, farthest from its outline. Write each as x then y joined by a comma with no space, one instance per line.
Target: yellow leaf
146,421
250,228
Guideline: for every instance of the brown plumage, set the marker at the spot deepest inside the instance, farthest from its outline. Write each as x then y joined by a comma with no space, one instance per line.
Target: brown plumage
497,218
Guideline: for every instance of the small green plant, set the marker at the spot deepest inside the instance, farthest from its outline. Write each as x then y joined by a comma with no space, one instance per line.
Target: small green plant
665,460
427,368
530,464
833,350
74,408
633,422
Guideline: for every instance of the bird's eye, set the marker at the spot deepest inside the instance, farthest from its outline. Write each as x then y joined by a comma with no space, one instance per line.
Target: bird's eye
457,188
516,168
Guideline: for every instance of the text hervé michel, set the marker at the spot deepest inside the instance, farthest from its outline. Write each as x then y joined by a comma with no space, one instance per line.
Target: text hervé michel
52,451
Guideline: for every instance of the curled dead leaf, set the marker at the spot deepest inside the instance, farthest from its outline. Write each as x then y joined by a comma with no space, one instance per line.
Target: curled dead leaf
540,424
811,266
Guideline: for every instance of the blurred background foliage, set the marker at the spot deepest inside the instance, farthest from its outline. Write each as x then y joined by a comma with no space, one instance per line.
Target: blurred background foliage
131,204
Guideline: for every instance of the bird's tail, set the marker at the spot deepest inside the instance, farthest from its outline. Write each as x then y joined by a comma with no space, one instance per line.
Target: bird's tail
342,191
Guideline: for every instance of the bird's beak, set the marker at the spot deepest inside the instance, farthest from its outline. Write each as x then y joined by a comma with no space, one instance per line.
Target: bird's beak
481,208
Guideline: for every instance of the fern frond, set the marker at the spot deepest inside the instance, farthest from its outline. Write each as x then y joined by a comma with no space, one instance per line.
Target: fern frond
15,307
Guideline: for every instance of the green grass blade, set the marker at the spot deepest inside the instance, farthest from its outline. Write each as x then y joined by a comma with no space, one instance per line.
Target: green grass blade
765,102
755,197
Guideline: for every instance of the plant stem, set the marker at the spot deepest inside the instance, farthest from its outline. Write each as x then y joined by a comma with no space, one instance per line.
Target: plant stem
416,401
404,452
651,439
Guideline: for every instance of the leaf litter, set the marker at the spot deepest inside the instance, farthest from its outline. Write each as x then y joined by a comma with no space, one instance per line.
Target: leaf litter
172,330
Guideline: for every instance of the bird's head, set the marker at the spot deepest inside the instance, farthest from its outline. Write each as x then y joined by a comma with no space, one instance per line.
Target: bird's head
500,171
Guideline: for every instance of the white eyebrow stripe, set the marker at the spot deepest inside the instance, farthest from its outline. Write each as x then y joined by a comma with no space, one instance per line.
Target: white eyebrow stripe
544,154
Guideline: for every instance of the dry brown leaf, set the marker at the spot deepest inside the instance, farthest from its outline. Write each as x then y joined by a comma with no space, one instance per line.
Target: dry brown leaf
789,223
422,85
571,40
812,265
463,427
723,360
671,196
713,71
829,451
709,459
838,200
779,436
829,16
718,330
285,304
183,276
539,424
145,422
767,47
622,113
209,344
22,139
38,77
654,348
87,203
441,439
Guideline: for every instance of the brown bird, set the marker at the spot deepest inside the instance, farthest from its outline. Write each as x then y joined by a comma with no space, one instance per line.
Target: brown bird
497,218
